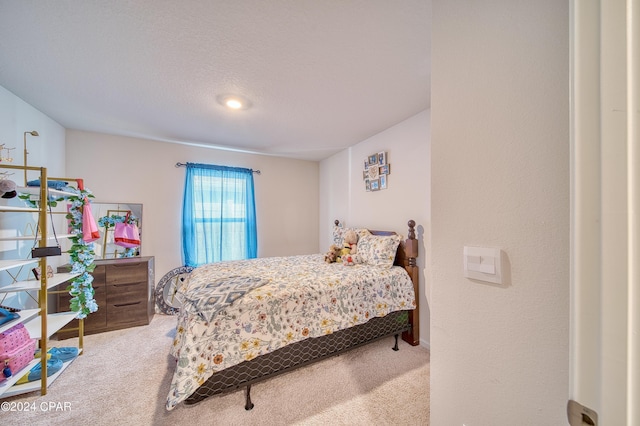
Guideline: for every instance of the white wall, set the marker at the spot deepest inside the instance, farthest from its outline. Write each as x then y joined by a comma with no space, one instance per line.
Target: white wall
500,178
343,196
46,150
133,170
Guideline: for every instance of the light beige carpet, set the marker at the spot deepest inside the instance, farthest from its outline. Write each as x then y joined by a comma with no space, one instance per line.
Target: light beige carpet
124,376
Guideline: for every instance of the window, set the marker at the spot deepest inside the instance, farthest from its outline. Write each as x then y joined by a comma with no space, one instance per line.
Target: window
218,214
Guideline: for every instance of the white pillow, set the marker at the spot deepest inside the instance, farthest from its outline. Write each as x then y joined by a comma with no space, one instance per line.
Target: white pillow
379,250
339,231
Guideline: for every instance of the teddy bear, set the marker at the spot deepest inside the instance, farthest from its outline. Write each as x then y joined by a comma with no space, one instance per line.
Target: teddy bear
351,241
348,260
333,255
350,249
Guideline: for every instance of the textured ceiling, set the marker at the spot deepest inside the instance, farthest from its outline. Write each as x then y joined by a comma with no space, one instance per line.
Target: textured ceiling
321,74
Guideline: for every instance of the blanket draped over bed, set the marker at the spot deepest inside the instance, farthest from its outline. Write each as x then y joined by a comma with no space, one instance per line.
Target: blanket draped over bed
272,302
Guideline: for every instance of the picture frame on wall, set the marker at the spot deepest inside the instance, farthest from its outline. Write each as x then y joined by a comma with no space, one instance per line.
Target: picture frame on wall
376,171
383,182
373,172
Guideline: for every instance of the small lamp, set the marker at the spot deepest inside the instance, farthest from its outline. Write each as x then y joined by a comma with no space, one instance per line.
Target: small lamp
32,133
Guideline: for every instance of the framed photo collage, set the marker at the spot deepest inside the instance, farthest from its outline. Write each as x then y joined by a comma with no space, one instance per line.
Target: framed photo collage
376,171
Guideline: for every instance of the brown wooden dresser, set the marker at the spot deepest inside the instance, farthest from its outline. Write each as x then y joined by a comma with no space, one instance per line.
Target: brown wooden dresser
124,291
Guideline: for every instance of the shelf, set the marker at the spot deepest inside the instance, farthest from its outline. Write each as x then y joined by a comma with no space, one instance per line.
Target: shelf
35,190
27,285
7,390
25,315
40,324
31,237
18,209
13,263
54,323
30,285
60,278
18,238
7,387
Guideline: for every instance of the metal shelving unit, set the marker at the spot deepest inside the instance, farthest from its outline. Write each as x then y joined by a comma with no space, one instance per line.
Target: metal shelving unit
39,322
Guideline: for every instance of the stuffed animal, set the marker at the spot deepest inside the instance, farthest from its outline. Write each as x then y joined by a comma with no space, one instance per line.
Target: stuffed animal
348,260
333,255
350,249
351,241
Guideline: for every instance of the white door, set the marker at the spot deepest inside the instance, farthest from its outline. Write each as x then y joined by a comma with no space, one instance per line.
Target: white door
605,287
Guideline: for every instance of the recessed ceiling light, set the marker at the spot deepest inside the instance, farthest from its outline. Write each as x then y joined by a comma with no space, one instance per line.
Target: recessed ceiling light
234,102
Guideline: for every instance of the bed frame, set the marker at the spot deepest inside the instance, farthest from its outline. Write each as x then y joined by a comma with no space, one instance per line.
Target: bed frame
312,350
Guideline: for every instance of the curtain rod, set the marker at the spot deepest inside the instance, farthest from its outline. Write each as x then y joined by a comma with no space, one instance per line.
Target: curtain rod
258,172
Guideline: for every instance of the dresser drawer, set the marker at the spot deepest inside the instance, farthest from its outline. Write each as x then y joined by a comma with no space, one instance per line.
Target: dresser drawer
127,313
99,291
129,292
124,293
95,321
130,272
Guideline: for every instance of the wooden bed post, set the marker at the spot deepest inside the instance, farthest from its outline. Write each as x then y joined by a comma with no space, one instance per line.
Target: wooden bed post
411,252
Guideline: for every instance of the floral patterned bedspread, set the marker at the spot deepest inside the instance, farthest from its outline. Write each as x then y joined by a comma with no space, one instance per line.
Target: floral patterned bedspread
297,297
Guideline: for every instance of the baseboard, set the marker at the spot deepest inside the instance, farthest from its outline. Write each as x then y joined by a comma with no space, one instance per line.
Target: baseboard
425,344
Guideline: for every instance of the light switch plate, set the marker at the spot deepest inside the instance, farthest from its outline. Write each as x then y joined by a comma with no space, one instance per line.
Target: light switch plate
483,263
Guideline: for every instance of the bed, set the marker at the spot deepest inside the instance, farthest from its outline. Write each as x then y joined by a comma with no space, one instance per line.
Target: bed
246,321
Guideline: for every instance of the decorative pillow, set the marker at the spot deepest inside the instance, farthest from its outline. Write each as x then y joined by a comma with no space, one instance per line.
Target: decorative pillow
379,250
213,296
339,231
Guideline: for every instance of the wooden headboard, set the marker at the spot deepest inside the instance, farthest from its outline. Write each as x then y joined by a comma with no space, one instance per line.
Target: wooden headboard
406,257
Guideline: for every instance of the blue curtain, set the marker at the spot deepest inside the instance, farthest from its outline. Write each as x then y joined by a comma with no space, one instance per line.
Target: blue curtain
218,215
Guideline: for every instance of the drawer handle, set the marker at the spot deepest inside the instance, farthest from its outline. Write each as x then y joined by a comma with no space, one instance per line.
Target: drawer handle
128,265
125,284
126,304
